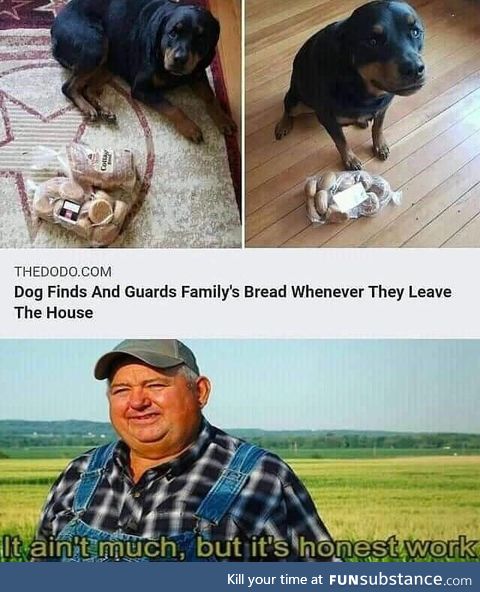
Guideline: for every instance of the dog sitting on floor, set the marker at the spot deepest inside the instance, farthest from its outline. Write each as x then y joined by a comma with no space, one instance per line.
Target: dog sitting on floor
349,72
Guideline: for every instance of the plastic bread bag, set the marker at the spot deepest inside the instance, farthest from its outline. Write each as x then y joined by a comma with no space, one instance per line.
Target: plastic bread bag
91,214
102,167
338,197
99,167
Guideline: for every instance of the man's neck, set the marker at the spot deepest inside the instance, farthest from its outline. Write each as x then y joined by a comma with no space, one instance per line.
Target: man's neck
141,464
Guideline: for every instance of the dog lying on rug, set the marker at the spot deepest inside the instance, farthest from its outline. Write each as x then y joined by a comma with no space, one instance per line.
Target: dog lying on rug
154,45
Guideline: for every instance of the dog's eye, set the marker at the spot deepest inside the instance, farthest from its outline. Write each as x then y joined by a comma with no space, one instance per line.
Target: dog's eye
373,42
172,34
416,32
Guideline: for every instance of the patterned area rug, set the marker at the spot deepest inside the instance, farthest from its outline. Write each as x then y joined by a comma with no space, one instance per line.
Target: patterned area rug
188,193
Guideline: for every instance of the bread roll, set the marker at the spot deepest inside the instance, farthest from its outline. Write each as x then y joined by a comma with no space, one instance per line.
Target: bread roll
43,207
311,187
335,216
312,213
100,211
345,181
103,236
370,206
364,178
381,188
100,194
72,191
52,186
327,181
321,202
84,227
120,212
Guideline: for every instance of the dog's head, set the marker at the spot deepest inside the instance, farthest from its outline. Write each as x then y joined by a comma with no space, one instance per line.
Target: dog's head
385,40
186,38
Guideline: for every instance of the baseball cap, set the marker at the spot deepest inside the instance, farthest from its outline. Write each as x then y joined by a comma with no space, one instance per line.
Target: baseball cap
159,353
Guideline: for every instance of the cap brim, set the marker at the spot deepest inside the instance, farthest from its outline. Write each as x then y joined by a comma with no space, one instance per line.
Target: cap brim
104,364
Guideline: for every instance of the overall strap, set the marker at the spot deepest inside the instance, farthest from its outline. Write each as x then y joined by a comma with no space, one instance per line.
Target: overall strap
91,477
225,490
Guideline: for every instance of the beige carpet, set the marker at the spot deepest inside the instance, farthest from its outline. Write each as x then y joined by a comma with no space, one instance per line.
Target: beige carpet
187,197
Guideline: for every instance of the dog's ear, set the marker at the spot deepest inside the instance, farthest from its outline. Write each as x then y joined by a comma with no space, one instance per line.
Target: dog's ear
156,31
214,36
343,42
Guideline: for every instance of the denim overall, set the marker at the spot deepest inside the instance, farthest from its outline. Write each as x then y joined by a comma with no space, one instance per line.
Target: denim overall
212,509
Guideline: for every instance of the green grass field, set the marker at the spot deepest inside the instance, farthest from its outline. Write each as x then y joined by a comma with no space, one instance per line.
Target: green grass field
359,499
67,452
44,452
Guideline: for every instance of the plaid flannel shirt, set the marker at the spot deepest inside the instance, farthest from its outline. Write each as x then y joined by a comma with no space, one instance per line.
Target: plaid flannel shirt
273,504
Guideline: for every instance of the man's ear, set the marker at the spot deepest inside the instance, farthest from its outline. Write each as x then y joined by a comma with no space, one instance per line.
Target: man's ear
203,387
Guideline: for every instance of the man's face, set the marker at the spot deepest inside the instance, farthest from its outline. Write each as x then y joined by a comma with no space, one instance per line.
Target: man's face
154,411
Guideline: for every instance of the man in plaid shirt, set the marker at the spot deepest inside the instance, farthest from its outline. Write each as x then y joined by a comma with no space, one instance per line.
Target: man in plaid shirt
174,477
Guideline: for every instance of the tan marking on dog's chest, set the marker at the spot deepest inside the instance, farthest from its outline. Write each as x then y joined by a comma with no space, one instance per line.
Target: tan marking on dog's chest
159,81
351,121
301,109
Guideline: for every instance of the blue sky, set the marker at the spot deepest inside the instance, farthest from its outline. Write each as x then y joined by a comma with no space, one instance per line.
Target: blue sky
304,384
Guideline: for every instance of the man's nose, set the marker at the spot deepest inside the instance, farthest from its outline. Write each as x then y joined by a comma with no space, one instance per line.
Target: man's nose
138,397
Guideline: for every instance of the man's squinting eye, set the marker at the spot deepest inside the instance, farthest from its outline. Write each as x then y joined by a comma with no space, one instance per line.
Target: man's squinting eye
121,390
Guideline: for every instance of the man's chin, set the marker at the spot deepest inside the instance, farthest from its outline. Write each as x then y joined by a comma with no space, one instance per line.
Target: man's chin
145,434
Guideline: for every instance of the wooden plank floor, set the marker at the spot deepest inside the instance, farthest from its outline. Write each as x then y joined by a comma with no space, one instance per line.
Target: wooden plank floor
434,135
229,13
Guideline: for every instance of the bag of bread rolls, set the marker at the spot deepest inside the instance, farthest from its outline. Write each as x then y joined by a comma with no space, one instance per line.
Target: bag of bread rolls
88,191
93,215
338,197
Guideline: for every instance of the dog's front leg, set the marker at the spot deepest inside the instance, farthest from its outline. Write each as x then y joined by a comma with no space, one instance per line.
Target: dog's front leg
145,91
380,146
224,122
350,159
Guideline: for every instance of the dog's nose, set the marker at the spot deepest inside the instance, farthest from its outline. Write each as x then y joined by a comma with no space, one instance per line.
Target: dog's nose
412,69
180,59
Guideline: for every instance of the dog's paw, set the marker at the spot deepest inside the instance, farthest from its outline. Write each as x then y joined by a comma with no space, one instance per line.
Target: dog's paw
283,127
91,115
108,117
381,151
352,162
225,124
191,131
229,128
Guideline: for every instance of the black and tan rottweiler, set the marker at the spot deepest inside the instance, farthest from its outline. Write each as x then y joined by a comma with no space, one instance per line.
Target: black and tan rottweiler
155,45
349,72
